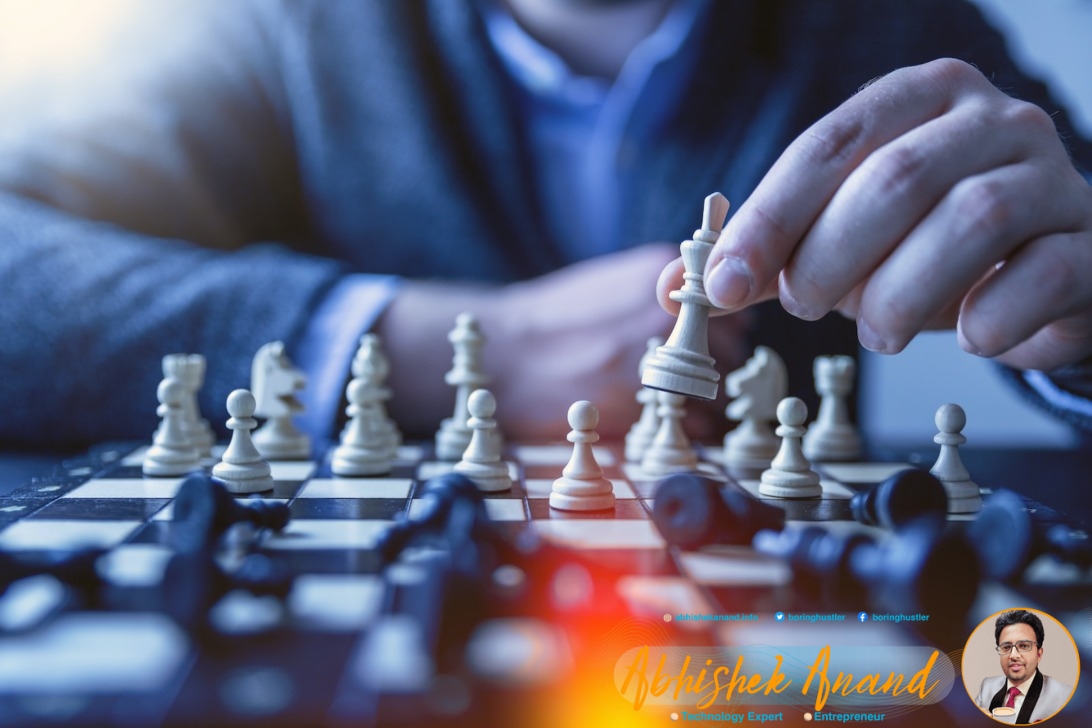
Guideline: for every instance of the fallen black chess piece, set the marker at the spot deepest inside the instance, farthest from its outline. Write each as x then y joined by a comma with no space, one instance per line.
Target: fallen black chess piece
692,511
204,510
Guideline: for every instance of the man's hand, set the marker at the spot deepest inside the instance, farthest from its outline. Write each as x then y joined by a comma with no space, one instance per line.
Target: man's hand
577,333
930,199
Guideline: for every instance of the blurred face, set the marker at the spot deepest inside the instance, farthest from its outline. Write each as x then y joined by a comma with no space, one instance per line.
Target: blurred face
1019,666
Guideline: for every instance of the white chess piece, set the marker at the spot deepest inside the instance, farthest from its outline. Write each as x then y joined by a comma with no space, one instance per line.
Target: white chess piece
242,469
963,494
670,451
482,460
190,370
172,452
642,433
370,354
683,364
790,474
274,380
757,388
582,486
467,374
832,437
365,442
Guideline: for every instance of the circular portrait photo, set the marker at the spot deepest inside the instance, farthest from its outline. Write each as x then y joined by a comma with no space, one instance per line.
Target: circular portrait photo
1020,666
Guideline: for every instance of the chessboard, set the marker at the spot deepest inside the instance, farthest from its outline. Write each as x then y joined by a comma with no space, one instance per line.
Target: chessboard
115,648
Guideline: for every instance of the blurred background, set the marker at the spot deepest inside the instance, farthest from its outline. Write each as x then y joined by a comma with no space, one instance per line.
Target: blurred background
900,394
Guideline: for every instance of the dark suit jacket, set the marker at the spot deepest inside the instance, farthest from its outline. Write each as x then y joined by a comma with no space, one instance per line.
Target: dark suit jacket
206,200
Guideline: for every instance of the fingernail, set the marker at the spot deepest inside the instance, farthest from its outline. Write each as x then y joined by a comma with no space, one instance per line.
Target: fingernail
869,338
796,308
729,283
966,345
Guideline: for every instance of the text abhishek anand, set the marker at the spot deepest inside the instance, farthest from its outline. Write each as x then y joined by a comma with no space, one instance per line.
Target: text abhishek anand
641,674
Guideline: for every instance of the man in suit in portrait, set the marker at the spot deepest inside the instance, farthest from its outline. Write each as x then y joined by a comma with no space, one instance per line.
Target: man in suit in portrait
1034,696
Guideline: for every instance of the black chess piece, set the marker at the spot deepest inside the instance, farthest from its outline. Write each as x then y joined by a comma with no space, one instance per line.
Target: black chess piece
1008,536
193,582
204,510
919,568
907,496
692,511
451,510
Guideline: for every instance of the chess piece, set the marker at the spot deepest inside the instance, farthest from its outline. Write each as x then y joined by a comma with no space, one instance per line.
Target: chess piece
482,460
683,365
370,354
790,474
241,468
670,451
691,511
466,375
582,486
832,437
640,436
365,447
194,581
963,495
172,452
756,389
274,380
907,496
190,370
204,510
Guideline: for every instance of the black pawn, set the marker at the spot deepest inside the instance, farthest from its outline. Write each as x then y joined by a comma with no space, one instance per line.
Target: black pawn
907,496
204,510
692,511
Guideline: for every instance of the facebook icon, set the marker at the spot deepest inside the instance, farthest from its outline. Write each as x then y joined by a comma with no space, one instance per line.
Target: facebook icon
862,616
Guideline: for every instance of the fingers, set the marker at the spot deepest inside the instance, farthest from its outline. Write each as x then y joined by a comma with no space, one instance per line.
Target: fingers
759,240
979,223
671,279
1044,331
886,197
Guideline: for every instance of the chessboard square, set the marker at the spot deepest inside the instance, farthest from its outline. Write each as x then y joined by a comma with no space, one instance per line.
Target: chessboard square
541,488
291,470
559,454
498,509
127,488
357,488
368,509
862,472
65,535
434,468
634,472
834,490
624,510
101,509
135,459
409,454
336,601
328,534
601,534
660,595
135,564
735,566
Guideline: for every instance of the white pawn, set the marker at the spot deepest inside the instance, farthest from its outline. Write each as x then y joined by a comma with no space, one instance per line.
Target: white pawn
466,375
670,451
172,452
582,486
365,443
642,433
963,494
832,436
790,474
482,460
242,469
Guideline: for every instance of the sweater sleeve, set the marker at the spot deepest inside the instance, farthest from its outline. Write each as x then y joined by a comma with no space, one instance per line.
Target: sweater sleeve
149,204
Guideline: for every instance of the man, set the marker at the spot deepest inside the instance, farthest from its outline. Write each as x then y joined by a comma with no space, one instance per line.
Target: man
1035,697
228,174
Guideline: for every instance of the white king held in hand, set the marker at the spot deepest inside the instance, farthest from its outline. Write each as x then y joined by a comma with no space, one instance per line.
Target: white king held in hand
683,364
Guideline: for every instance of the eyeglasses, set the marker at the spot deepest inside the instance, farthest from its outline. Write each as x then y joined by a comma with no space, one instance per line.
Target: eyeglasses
1022,646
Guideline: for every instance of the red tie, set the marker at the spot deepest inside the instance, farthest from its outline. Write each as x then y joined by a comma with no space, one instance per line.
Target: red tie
1013,692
